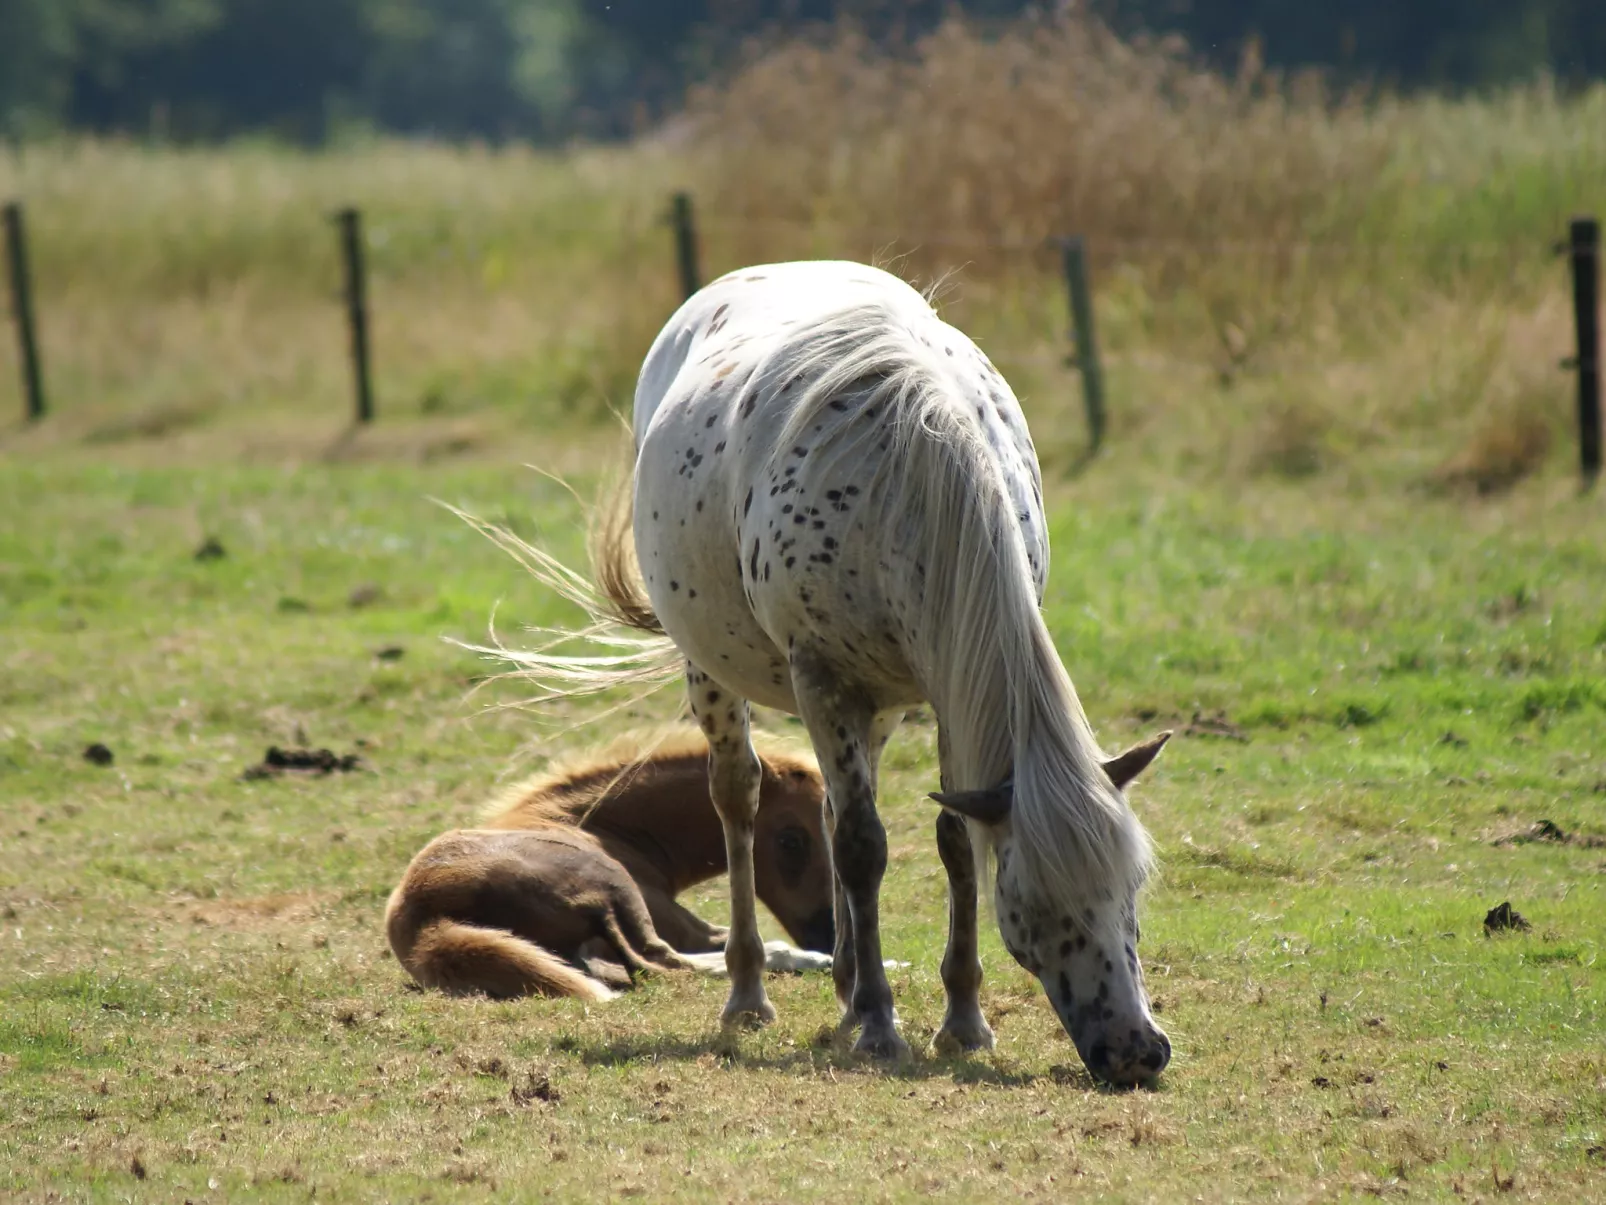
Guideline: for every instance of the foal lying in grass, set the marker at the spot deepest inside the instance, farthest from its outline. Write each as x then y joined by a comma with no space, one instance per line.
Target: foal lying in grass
569,888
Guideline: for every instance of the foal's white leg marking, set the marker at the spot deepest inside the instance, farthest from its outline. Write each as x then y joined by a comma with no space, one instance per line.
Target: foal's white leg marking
779,957
734,775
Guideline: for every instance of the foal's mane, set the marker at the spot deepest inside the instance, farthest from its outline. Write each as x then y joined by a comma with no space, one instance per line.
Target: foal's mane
960,583
576,787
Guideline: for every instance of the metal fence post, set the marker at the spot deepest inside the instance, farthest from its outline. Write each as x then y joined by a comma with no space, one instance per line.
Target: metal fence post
351,245
685,243
1074,254
1583,247
22,311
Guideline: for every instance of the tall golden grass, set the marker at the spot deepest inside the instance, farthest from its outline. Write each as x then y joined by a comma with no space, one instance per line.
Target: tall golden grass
980,147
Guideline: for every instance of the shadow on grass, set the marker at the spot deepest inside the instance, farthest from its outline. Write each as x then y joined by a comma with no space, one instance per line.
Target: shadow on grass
827,1053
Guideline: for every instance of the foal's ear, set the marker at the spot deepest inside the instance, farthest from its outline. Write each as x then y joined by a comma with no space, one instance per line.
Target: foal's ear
990,805
1124,767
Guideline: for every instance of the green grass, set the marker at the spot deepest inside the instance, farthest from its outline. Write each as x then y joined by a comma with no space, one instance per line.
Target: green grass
1377,671
196,1001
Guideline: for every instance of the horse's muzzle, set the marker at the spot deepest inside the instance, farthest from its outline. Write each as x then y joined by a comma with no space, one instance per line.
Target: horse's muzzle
818,933
1139,1060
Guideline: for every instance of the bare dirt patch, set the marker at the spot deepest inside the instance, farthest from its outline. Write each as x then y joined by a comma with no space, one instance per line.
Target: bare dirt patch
263,912
1547,832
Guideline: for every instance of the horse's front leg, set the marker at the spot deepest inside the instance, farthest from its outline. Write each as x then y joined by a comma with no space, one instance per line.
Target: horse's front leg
842,728
963,1027
734,774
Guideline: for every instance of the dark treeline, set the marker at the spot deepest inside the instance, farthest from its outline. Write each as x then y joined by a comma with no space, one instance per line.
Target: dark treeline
552,69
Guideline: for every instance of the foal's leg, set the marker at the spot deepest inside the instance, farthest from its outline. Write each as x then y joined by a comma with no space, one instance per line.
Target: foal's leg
679,926
964,1027
841,727
734,774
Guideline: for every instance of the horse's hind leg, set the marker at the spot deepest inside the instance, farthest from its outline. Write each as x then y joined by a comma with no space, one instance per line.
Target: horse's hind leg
844,728
733,780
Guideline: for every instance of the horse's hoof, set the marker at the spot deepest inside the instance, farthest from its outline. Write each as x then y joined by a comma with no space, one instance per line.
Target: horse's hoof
747,1014
882,1042
954,1040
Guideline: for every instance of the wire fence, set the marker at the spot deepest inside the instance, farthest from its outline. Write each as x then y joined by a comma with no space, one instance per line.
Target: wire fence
656,260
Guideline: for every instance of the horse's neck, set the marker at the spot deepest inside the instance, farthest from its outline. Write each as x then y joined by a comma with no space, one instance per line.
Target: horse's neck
662,825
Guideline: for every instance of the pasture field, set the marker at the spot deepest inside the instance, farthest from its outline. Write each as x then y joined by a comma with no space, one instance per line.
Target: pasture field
1334,541
1373,692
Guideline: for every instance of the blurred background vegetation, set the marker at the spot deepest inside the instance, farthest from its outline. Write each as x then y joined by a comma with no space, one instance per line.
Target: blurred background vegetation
551,70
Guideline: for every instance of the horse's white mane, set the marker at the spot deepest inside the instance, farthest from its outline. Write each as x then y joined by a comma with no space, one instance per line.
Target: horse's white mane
963,587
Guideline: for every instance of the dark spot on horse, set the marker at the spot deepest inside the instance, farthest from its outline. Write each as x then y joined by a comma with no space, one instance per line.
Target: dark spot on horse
712,419
787,509
693,594
753,564
748,403
830,541
654,514
674,585
790,561
719,447
1065,989
1065,949
747,505
713,697
766,571
699,504
1108,966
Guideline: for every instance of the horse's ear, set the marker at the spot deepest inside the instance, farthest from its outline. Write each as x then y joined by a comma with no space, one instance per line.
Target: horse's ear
990,805
1124,767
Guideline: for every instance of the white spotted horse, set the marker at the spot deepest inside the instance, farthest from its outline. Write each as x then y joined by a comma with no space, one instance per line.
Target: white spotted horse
838,512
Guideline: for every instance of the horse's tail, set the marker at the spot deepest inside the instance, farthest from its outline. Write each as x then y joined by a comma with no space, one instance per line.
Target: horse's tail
619,616
462,959
613,564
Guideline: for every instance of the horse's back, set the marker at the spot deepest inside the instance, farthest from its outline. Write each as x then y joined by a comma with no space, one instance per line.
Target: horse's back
754,522
751,307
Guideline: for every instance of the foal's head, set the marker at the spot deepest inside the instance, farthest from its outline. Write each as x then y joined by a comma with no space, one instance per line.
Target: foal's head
791,856
1086,957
